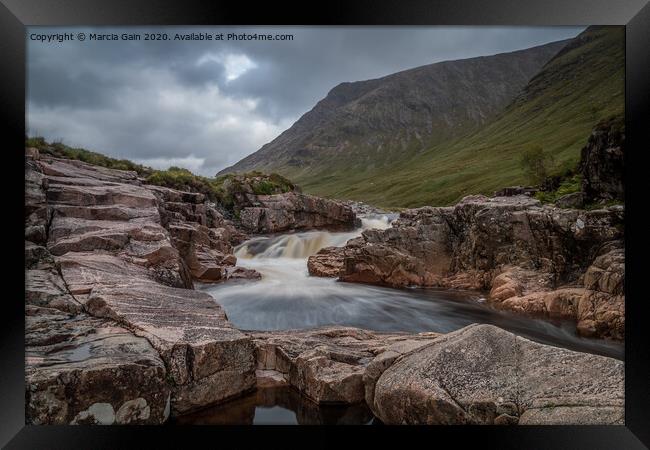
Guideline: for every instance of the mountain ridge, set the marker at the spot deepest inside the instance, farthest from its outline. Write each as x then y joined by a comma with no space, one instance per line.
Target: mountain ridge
401,113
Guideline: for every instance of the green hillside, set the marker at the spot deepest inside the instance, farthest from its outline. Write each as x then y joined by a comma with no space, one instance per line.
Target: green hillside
581,85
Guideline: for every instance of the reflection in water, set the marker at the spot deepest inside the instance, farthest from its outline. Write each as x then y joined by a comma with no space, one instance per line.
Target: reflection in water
278,406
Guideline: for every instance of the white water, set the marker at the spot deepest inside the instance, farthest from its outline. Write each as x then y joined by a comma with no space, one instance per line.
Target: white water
288,298
302,245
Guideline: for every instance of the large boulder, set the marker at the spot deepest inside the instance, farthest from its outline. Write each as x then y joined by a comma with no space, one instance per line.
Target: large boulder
292,210
328,262
427,246
484,375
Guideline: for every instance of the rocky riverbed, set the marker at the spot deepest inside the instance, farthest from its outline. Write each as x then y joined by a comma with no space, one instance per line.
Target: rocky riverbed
116,334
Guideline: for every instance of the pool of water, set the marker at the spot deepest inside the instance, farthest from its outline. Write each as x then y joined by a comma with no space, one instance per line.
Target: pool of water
278,406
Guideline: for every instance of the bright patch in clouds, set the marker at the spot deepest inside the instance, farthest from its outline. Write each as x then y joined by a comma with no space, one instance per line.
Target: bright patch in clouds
192,163
235,65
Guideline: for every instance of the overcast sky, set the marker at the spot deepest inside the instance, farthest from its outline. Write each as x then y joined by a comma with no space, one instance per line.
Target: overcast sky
205,105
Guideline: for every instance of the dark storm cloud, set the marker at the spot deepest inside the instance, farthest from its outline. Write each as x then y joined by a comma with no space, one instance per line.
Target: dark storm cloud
206,105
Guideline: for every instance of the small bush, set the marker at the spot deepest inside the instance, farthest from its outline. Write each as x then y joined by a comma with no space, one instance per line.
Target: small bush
536,164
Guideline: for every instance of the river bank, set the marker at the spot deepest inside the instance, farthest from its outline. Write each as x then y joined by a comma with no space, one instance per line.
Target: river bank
117,334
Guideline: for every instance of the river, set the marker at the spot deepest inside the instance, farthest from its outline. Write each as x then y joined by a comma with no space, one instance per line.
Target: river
288,298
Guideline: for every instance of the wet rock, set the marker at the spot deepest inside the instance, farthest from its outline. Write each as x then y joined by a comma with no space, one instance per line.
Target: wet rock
73,363
242,273
559,303
328,262
463,377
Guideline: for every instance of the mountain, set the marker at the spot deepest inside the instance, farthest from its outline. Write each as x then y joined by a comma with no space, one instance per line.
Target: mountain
555,108
371,124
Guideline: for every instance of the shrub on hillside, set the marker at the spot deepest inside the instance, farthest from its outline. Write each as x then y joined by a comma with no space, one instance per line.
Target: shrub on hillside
536,164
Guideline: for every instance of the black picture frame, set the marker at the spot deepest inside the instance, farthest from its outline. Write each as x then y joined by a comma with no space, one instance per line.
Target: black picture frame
15,15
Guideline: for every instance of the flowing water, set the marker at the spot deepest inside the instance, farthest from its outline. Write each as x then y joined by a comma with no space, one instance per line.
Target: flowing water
288,298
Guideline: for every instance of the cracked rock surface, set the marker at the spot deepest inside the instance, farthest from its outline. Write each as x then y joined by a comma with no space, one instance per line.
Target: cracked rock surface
482,374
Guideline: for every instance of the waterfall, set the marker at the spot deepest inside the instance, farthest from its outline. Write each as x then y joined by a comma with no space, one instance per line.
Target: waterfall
304,244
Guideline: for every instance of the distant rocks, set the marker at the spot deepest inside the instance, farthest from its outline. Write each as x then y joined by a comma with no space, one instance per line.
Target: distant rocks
292,210
515,190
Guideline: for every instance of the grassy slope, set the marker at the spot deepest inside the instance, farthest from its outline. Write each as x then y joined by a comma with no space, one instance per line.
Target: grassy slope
557,111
